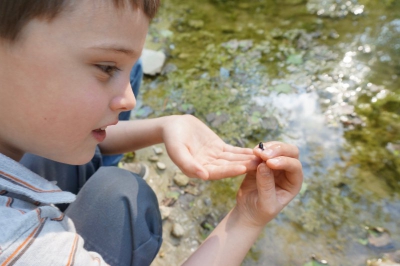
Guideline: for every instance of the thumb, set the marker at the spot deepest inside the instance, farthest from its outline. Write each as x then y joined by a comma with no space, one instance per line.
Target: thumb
265,184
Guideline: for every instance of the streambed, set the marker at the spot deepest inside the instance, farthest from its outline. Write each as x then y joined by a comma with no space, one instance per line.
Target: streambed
324,75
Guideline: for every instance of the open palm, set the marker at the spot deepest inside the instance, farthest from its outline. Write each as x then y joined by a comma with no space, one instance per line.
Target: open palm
199,152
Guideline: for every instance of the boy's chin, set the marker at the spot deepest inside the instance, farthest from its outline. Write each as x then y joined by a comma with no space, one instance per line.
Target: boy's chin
73,159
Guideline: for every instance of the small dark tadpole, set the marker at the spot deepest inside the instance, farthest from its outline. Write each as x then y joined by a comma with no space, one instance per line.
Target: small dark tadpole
261,146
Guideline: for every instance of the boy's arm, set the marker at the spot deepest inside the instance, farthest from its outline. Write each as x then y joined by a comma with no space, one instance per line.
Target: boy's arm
262,195
132,135
191,145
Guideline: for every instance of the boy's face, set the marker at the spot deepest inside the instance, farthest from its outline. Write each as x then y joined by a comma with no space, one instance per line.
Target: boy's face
62,81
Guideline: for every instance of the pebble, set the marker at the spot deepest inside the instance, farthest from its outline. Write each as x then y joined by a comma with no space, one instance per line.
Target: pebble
180,179
161,166
177,230
158,150
165,212
153,158
207,201
153,61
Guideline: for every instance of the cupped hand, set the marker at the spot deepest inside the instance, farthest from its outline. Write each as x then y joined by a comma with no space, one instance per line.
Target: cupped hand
265,192
199,152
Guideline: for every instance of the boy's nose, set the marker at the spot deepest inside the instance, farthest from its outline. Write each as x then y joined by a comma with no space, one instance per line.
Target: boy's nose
125,101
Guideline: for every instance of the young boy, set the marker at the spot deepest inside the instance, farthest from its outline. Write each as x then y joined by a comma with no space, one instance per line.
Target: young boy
64,71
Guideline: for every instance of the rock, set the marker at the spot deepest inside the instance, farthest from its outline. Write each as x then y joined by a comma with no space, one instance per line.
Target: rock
192,190
211,117
153,158
157,150
245,45
379,239
165,212
207,201
186,108
153,61
177,230
232,45
180,179
333,34
220,119
169,68
161,166
395,256
183,56
196,24
224,73
209,223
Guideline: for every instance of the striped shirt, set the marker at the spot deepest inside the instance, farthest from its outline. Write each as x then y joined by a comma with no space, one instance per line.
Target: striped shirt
32,230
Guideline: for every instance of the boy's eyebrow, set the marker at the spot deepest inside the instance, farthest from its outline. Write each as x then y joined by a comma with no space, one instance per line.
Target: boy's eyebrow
115,48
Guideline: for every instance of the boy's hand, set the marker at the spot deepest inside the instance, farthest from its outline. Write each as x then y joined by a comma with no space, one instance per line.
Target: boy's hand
199,152
265,192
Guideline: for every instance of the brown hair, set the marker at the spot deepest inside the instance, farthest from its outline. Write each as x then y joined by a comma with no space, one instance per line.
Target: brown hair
15,14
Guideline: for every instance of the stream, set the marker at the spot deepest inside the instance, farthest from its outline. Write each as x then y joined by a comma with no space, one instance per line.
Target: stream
321,74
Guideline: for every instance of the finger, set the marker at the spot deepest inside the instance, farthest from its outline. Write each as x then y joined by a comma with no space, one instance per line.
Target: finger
229,156
276,148
224,171
265,186
249,160
250,165
188,165
238,150
293,172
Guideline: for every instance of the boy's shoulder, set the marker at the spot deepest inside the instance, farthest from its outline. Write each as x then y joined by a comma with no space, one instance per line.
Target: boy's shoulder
32,228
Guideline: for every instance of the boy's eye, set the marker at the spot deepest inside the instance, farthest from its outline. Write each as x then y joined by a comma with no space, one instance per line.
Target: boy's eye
109,70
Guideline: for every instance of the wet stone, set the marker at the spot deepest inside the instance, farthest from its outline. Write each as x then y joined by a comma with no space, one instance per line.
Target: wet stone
153,158
168,68
157,150
181,180
207,201
177,230
210,117
183,56
395,256
220,119
161,166
192,190
380,239
333,34
186,201
165,212
196,24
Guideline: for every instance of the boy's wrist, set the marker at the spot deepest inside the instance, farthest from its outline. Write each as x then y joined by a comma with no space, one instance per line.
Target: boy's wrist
245,222
165,123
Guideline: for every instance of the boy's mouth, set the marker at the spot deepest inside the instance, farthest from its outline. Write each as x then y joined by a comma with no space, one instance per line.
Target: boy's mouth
99,134
100,129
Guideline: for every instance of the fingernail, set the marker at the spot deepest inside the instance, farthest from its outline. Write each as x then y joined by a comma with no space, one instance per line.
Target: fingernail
274,160
268,152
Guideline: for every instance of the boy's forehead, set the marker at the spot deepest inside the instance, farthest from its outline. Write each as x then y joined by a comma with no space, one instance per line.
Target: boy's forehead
94,22
102,10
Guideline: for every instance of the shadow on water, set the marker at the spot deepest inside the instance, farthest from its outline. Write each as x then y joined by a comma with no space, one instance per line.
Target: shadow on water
324,75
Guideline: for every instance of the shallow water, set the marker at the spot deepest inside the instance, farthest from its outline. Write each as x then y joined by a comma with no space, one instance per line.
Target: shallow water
324,75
